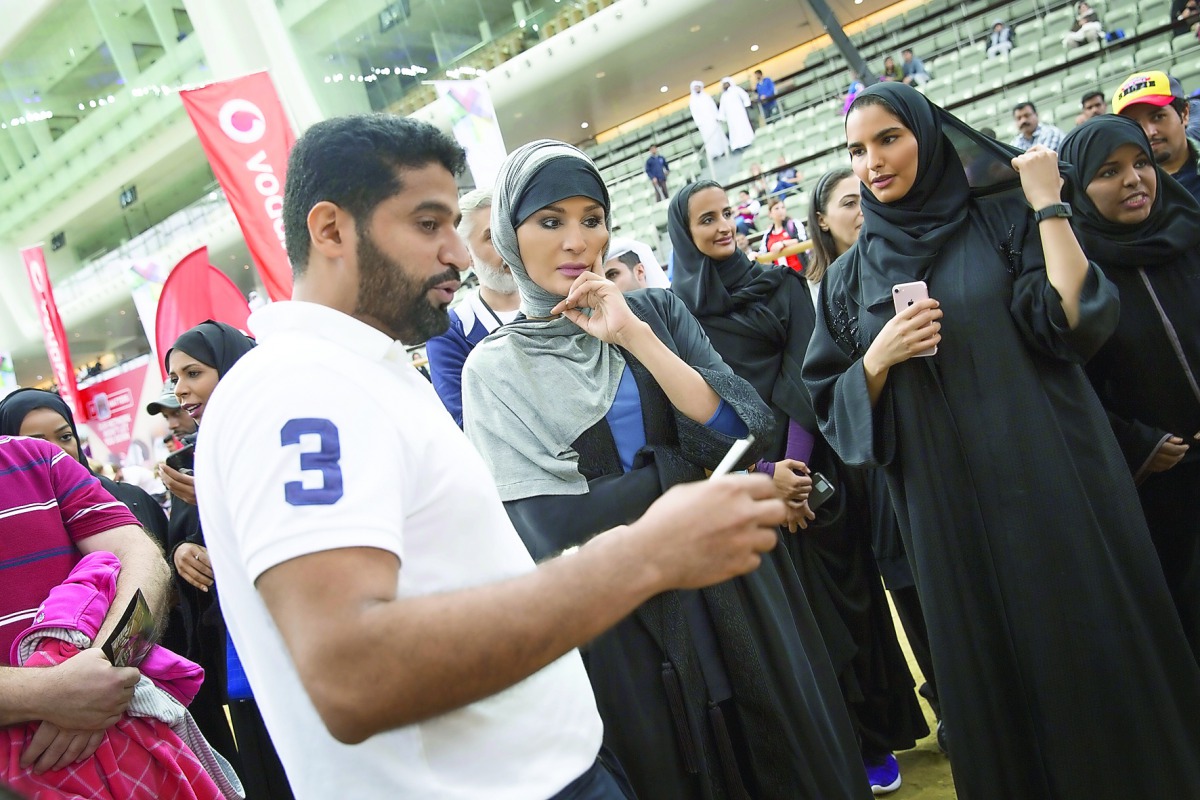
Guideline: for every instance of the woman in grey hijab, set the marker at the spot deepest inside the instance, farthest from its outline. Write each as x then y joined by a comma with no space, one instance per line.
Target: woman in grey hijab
587,408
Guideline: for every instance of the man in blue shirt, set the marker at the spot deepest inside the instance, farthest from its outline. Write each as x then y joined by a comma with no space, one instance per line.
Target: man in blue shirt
657,171
765,89
914,70
496,303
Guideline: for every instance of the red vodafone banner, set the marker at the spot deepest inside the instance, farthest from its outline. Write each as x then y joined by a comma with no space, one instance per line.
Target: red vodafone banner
193,292
52,327
110,407
246,136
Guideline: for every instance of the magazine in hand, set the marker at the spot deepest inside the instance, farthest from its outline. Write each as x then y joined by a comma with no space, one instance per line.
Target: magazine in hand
133,637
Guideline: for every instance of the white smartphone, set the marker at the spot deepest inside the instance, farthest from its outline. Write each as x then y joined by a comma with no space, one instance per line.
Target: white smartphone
904,295
734,455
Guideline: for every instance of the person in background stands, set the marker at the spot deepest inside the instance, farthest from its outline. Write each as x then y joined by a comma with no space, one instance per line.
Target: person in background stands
657,171
1094,105
708,122
914,69
1156,101
1000,40
784,232
891,70
1031,131
747,212
1086,28
734,112
786,178
481,312
764,88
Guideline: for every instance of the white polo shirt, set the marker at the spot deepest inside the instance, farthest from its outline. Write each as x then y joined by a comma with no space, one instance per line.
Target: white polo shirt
325,437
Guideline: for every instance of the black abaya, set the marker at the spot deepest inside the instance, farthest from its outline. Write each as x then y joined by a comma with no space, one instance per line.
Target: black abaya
1146,372
1062,668
748,648
760,321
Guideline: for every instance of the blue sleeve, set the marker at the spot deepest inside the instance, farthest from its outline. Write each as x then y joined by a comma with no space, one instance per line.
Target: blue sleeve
725,420
446,354
625,420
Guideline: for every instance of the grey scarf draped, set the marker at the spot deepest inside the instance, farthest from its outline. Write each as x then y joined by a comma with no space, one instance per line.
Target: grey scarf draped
532,387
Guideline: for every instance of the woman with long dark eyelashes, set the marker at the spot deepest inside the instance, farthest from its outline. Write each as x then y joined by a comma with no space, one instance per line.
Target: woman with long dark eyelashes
760,320
1052,630
587,409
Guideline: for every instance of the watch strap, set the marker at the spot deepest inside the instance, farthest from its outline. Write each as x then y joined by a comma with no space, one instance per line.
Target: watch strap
1053,211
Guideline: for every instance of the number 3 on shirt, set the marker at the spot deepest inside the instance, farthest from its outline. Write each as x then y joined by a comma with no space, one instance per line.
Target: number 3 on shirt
324,461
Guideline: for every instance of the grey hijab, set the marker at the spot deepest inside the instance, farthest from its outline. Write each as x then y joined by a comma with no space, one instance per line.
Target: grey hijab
534,386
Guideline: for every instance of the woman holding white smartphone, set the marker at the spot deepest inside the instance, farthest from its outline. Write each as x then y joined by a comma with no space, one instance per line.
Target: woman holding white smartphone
1049,618
587,408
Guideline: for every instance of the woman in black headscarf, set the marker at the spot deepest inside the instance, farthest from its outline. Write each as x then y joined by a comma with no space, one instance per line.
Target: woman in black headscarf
760,320
45,415
586,418
1143,229
200,357
1052,629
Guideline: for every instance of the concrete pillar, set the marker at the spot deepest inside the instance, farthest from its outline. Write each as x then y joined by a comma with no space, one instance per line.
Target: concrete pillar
244,36
162,16
117,39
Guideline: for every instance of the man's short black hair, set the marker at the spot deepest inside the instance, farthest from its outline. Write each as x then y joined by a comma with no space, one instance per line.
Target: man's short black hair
354,162
1025,104
1083,101
758,72
906,50
629,259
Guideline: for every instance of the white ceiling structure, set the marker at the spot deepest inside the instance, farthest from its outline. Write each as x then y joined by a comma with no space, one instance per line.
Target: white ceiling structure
604,71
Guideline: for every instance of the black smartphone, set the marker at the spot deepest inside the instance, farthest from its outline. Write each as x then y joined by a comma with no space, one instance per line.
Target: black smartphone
822,490
183,458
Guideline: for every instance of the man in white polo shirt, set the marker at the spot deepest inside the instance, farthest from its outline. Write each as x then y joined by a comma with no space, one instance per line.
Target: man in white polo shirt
399,639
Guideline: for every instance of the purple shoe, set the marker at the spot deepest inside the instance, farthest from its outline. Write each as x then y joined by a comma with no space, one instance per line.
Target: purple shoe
883,774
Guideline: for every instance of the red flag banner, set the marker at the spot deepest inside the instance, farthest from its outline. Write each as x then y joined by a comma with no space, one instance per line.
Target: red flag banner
110,407
246,136
52,327
193,292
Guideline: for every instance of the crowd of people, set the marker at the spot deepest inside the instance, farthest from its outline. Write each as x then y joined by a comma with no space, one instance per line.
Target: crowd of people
524,573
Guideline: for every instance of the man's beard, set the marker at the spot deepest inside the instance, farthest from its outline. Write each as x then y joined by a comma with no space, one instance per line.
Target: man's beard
498,280
389,295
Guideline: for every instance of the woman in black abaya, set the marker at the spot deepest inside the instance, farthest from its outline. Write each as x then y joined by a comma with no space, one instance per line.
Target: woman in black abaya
760,321
1062,668
586,418
200,357
1143,229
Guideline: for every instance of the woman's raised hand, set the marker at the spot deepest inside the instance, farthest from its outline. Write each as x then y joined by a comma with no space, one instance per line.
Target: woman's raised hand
1038,168
913,330
611,320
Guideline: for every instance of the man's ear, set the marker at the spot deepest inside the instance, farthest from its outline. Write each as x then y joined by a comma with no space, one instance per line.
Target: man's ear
329,229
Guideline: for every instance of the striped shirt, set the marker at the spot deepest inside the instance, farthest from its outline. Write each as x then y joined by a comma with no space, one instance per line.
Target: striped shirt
48,503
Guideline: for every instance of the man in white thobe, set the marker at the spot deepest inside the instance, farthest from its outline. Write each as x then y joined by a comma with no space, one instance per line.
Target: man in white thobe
704,114
733,111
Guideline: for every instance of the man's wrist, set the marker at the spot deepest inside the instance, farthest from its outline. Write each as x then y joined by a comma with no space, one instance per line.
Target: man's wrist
624,549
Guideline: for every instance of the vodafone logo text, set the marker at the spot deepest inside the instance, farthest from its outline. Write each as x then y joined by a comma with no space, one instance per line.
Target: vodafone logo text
242,121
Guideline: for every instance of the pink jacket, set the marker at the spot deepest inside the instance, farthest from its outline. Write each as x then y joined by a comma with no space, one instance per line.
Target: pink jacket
81,603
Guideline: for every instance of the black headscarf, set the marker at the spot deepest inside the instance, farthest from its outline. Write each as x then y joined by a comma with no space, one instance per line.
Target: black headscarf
1173,226
899,241
213,343
751,313
16,406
